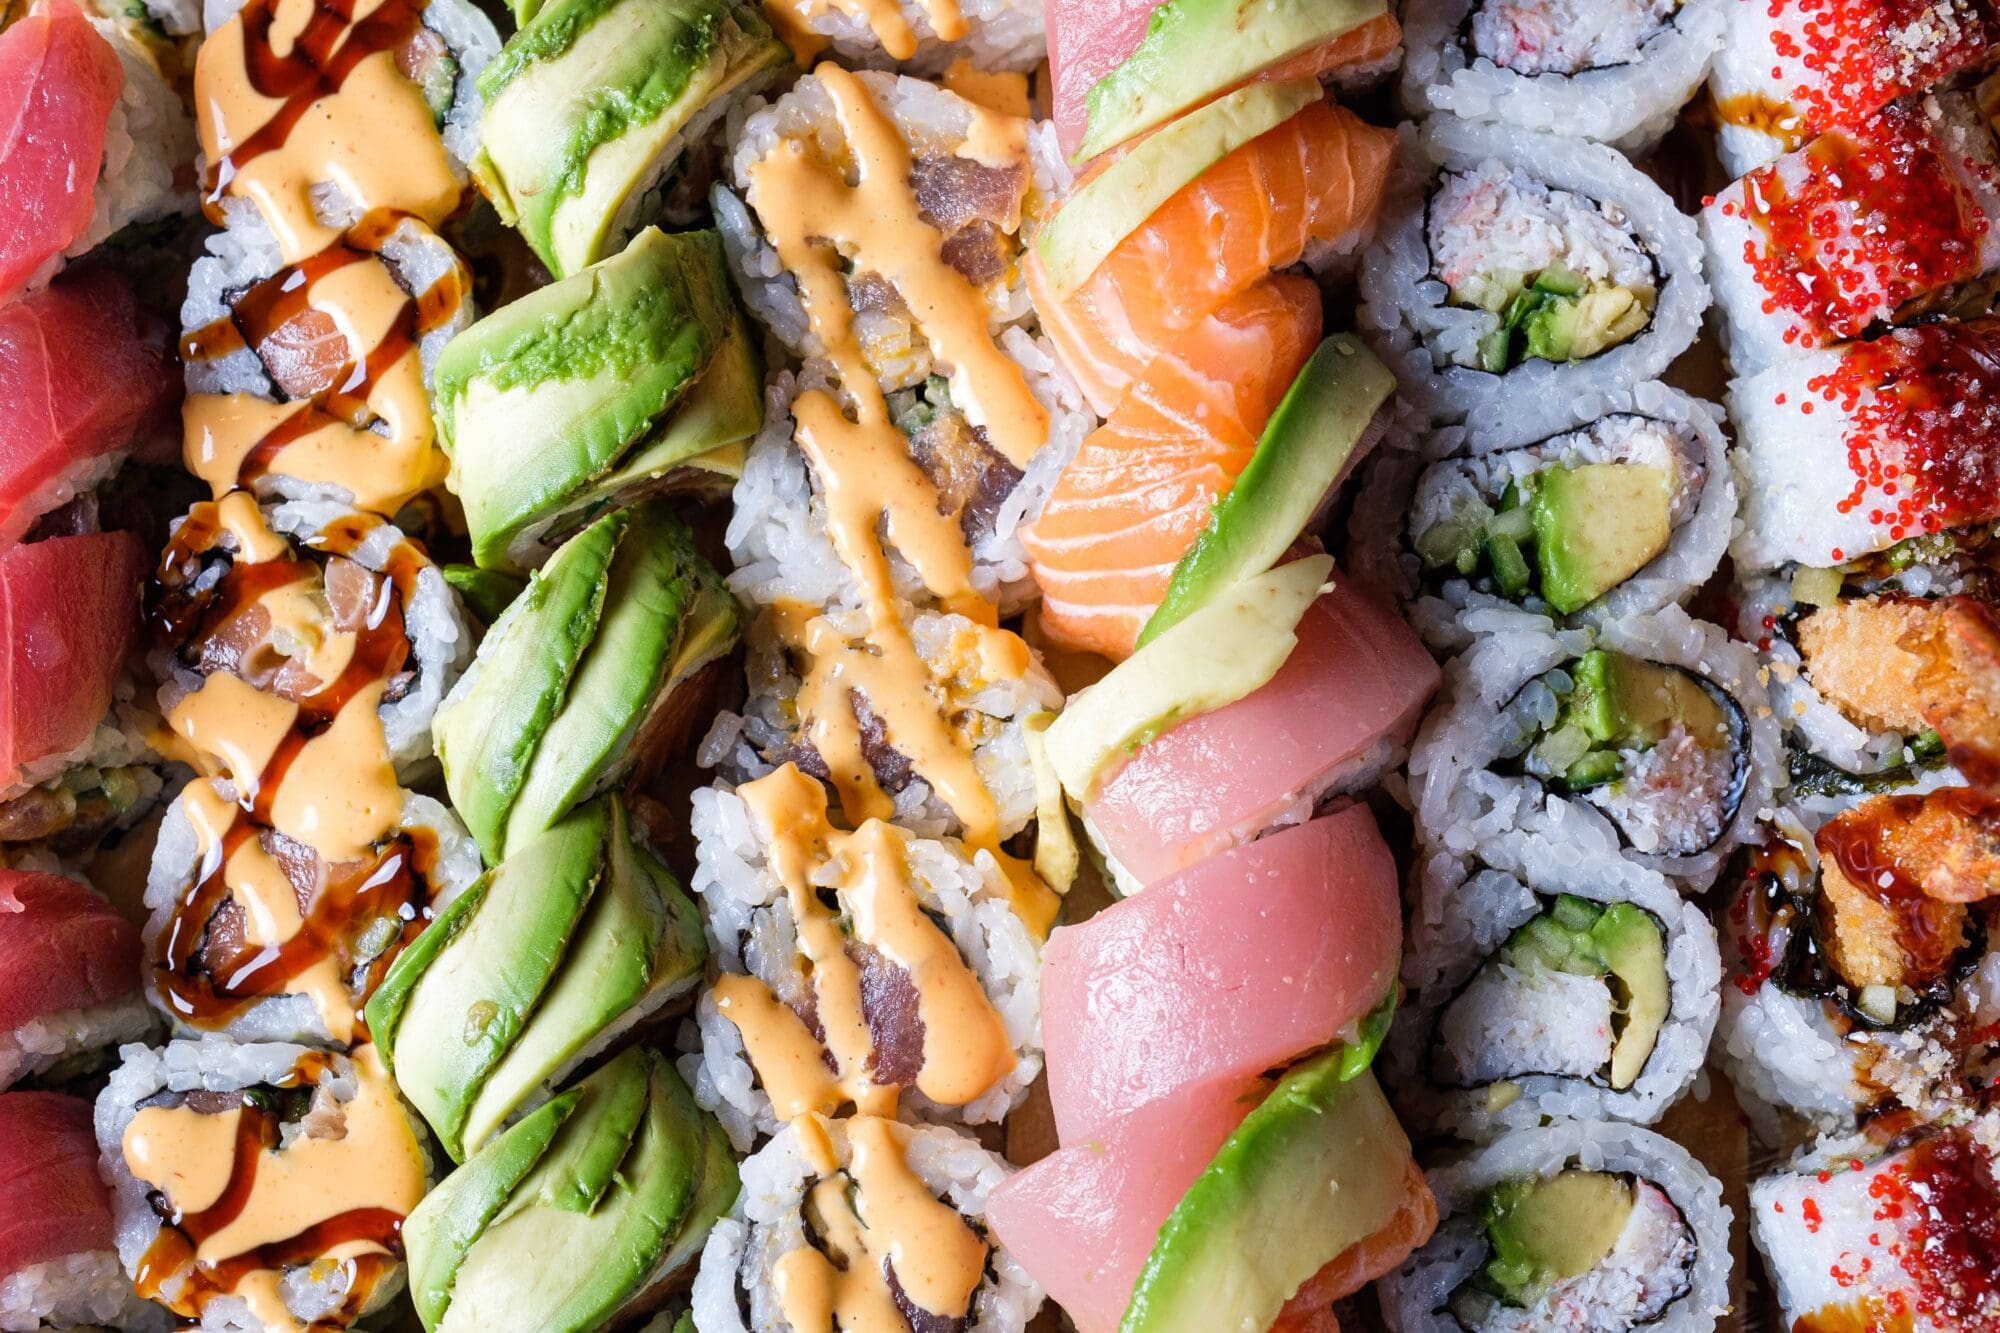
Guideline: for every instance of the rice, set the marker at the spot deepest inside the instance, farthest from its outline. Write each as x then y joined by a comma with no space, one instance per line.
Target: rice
1000,34
148,136
48,1040
88,1287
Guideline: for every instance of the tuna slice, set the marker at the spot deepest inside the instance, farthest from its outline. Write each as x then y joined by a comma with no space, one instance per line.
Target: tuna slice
52,1203
68,609
85,374
58,83
1333,716
61,947
1239,964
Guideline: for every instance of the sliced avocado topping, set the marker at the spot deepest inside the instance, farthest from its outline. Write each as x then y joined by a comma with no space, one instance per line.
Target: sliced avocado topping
1195,49
1618,941
1619,703
1114,203
1541,1232
1597,525
1310,443
486,592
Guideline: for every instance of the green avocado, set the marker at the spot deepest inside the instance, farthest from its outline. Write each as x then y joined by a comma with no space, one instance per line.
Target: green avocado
1114,203
1195,49
1316,1168
1597,525
485,592
1308,445
1619,941
590,106
1541,1232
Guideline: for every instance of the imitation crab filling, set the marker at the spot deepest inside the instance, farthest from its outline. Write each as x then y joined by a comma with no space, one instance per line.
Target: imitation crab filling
1559,274
1561,37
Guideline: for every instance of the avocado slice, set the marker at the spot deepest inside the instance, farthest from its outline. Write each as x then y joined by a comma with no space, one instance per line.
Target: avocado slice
485,592
1195,49
589,108
1649,698
1307,446
1541,1232
1597,525
1114,203
1256,1224
1635,951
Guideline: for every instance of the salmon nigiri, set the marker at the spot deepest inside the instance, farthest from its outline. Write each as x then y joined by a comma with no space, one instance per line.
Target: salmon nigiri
1317,178
1142,486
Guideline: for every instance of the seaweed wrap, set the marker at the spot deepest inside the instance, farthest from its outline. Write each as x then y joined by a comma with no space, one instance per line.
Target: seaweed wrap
561,949
579,1214
636,374
574,685
593,106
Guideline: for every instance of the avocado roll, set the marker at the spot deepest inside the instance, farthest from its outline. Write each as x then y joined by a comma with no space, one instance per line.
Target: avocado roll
631,377
561,950
1571,1225
1649,738
898,961
574,686
1537,988
1515,269
260,1187
593,107
832,1209
580,1214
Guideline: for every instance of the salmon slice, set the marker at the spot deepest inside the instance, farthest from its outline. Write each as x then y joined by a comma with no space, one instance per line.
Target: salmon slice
1318,177
1311,1310
59,81
1141,488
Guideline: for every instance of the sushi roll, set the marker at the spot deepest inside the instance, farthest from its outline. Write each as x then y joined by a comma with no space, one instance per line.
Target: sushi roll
1517,268
59,1260
73,981
325,1161
926,37
1540,989
575,686
1791,70
1620,509
1847,451
1891,1229
311,379
1876,224
1863,960
581,1215
1620,76
1650,738
565,946
578,183
856,968
1571,1225
632,377
831,1209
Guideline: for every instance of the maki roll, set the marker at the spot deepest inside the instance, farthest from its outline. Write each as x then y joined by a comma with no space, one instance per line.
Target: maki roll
1572,1225
1620,77
1876,224
1649,739
574,687
632,377
561,949
863,1219
857,968
926,36
577,181
579,1215
260,1187
71,984
1518,269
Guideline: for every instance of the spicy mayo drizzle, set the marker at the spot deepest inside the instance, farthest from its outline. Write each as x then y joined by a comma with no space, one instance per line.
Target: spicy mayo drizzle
793,19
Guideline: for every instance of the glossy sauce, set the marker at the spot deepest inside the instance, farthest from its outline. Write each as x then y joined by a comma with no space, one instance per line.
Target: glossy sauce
883,17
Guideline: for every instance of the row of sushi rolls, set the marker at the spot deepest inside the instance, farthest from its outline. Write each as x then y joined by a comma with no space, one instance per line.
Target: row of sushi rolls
953,666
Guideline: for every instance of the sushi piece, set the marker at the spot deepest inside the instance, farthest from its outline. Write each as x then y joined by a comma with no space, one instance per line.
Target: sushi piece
1650,738
311,379
578,183
861,968
1847,451
1316,179
568,944
1542,986
929,37
1620,76
574,687
326,1164
1791,70
863,1222
1573,1225
88,379
578,1215
72,984
1522,268
58,1262
1880,223
634,376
